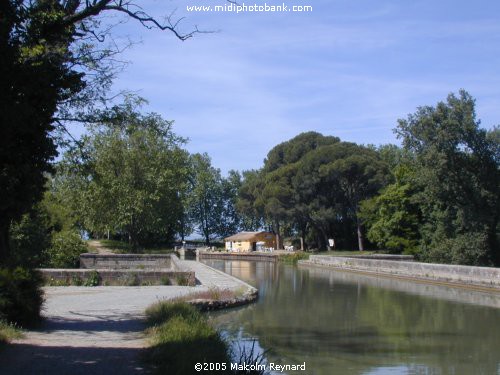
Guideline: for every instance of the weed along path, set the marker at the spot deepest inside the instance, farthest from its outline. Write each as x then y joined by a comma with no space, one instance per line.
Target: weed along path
98,330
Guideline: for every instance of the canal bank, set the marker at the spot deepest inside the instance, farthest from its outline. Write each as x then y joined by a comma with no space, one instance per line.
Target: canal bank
468,276
347,323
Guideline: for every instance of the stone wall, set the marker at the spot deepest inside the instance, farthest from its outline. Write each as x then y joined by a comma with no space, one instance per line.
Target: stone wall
125,261
481,276
124,269
123,277
237,256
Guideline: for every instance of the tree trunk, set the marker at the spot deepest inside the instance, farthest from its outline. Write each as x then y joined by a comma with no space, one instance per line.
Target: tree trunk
4,242
302,243
278,237
361,245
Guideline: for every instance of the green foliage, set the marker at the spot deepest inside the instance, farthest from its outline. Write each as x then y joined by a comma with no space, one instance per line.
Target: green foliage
165,280
76,280
312,186
94,279
393,216
117,246
163,311
457,178
8,332
130,179
212,199
21,296
29,238
467,248
182,337
65,250
293,258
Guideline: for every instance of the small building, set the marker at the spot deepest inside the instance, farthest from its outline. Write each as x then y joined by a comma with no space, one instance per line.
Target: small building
250,241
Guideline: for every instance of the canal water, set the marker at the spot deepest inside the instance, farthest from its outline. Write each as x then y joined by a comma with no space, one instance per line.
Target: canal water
347,323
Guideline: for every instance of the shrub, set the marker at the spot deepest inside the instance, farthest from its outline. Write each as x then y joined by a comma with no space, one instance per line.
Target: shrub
467,249
94,279
29,240
182,280
8,332
65,249
76,280
21,296
165,280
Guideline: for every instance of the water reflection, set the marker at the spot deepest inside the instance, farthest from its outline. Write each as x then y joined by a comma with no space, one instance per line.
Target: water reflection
345,323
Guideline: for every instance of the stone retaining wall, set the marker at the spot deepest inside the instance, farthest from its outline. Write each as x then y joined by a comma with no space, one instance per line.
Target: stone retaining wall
237,256
124,261
481,276
123,277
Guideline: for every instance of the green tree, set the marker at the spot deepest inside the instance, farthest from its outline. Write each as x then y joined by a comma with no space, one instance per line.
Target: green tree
53,66
206,197
129,179
458,180
393,216
332,182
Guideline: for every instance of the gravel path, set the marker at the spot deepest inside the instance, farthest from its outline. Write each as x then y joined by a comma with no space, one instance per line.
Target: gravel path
97,330
88,331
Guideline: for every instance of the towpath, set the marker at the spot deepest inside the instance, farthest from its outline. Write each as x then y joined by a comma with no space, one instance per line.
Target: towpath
97,330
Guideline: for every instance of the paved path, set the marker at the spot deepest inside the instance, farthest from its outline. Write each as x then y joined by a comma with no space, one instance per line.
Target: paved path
97,330
213,278
99,247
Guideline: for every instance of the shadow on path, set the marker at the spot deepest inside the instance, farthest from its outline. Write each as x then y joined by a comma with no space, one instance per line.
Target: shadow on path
30,359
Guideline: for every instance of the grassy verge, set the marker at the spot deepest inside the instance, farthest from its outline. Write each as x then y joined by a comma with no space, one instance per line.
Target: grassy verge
349,252
181,337
294,257
8,332
121,247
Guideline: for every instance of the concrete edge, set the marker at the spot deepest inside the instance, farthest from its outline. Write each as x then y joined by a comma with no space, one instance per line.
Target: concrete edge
420,279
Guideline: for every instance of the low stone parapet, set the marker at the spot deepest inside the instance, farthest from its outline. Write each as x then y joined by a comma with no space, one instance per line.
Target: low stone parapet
122,277
469,275
124,261
237,256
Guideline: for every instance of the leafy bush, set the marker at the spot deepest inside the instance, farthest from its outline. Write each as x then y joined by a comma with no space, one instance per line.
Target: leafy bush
165,280
65,249
467,249
21,296
94,279
29,240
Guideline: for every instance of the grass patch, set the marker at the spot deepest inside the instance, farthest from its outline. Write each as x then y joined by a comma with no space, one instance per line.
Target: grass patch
118,247
212,294
293,258
181,337
121,247
8,332
349,252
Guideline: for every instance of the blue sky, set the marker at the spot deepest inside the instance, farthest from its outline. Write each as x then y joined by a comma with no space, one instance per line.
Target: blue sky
348,68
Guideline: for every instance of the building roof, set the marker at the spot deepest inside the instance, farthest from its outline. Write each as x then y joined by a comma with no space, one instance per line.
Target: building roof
244,236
